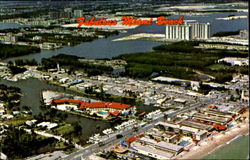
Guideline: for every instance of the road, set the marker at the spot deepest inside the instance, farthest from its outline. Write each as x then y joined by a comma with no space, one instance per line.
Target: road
95,148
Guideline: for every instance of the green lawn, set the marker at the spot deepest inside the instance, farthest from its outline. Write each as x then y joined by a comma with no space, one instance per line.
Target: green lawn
64,130
217,67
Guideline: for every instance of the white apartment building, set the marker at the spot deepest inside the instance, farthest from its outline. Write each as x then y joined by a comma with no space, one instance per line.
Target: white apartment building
188,31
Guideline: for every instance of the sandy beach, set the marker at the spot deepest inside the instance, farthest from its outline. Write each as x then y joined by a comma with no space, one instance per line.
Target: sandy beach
211,144
140,35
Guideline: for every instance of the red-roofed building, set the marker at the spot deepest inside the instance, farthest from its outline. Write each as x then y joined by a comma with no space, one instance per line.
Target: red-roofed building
219,127
113,105
133,138
113,108
115,113
212,106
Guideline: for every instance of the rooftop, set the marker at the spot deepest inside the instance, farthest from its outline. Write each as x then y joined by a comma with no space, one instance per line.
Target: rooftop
162,144
84,104
149,149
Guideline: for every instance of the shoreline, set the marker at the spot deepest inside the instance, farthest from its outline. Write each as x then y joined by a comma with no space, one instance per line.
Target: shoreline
222,145
217,142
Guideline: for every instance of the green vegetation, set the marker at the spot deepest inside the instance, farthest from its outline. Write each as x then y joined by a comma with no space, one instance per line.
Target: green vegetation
74,63
24,15
10,96
65,129
9,50
18,120
16,70
23,62
19,144
72,131
222,34
181,60
63,39
109,155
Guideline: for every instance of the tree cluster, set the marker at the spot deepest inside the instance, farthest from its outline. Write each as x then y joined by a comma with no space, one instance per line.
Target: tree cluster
9,50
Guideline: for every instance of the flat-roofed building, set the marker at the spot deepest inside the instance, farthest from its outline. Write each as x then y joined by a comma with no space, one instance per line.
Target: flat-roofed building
184,130
164,146
219,113
237,110
211,119
197,125
171,138
161,135
201,135
151,151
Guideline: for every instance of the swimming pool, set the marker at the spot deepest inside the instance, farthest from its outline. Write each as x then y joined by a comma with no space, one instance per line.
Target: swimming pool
183,143
102,112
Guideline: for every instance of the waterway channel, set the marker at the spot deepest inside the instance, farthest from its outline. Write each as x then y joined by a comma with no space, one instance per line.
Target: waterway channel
106,48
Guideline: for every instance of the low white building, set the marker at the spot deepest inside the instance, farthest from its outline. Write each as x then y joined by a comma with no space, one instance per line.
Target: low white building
235,61
47,125
163,146
31,122
64,107
151,151
37,38
3,156
7,116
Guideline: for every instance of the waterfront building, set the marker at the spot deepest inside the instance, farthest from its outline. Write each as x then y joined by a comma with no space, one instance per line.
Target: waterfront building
211,119
163,146
178,32
188,31
200,30
197,125
148,151
47,125
192,132
100,108
245,96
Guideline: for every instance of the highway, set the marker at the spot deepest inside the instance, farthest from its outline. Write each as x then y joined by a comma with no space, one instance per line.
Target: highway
95,148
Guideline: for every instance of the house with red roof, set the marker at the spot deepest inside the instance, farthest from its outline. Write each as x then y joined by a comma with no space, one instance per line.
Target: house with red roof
102,109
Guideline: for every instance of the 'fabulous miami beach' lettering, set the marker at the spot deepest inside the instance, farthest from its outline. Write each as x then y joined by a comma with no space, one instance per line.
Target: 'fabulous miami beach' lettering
126,20
81,21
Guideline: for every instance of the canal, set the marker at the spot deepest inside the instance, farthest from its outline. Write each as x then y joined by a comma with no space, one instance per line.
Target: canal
106,48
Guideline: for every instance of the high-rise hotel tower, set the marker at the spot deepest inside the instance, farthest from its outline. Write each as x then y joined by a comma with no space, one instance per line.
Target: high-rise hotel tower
188,31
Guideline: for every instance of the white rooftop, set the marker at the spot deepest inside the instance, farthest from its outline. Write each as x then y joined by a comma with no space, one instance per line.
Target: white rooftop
162,144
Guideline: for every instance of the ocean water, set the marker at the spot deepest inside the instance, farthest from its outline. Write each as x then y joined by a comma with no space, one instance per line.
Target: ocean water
235,150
